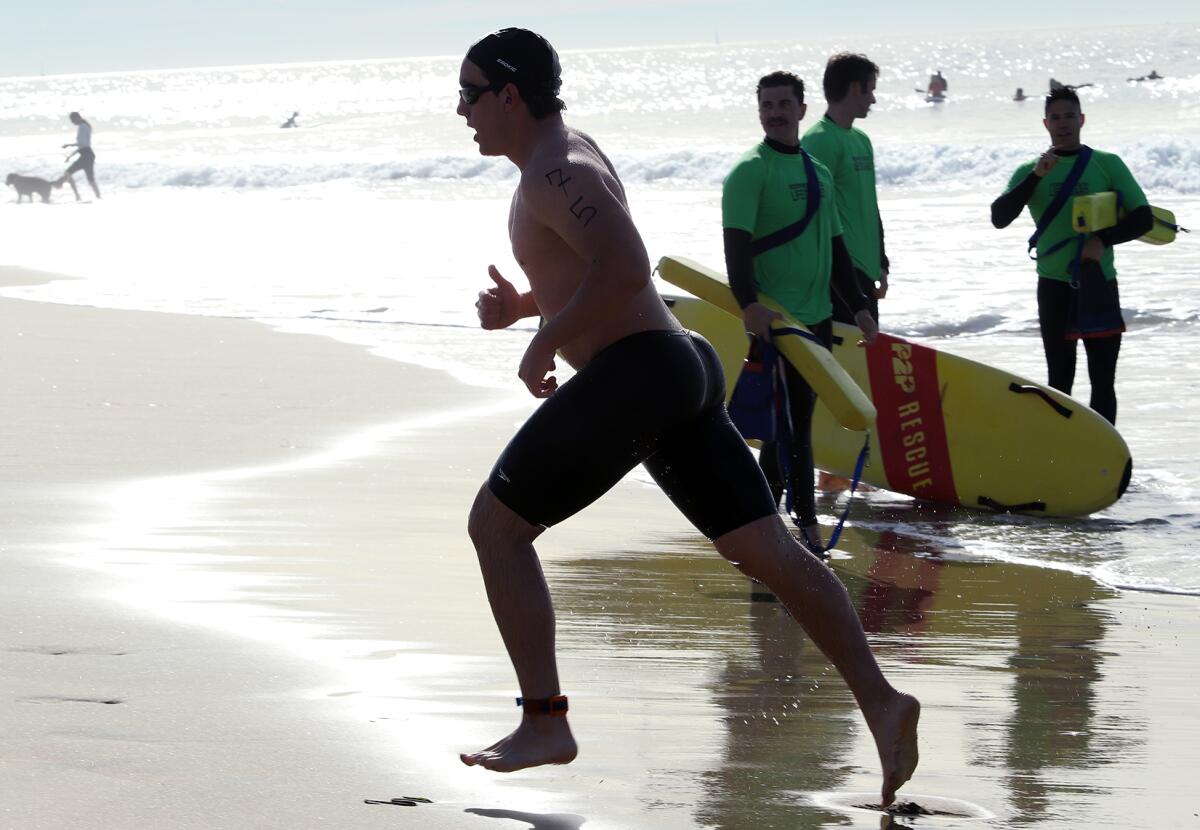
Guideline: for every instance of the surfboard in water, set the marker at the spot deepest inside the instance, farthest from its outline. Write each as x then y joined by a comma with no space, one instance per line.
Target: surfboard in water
949,429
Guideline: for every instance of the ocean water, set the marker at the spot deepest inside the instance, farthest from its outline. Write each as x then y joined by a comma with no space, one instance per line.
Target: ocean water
374,222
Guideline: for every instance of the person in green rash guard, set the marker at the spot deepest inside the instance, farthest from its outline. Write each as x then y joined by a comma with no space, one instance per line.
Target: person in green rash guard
766,193
847,152
1067,263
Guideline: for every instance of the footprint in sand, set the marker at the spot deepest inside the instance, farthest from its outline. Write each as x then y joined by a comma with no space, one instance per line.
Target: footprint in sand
60,651
61,699
909,804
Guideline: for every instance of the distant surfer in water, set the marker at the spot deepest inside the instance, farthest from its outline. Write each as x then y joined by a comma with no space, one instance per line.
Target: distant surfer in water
646,392
847,152
1019,95
1153,76
1077,279
1056,85
937,85
291,122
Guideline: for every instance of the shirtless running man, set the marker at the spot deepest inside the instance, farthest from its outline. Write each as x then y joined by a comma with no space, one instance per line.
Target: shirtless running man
646,392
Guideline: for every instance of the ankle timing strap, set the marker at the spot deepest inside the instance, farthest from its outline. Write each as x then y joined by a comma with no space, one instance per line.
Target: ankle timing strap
556,705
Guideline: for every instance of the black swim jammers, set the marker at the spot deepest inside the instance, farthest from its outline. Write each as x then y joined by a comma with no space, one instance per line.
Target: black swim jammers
655,397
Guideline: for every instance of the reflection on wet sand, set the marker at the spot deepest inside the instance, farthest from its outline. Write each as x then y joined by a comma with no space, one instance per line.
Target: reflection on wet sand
902,584
1053,724
789,721
1041,629
536,821
787,718
1019,648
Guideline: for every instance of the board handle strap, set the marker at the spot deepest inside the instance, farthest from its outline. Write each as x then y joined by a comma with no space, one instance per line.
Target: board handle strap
1027,507
1041,393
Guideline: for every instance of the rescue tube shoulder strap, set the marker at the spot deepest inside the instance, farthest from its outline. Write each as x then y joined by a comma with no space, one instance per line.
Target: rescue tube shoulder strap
1060,199
789,232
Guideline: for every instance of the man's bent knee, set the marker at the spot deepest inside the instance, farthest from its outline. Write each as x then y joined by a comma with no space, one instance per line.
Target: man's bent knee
492,522
758,547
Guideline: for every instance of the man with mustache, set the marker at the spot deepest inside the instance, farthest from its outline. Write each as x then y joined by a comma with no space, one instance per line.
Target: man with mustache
783,237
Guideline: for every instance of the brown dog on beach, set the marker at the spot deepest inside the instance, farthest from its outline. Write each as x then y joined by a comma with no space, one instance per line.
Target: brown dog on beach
29,185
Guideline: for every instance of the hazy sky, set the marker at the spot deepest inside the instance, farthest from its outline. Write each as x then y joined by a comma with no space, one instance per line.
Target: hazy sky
58,36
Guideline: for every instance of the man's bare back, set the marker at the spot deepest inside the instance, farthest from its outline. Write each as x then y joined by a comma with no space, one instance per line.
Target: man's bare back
569,179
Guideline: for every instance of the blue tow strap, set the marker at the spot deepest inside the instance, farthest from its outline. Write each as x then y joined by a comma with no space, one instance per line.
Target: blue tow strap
1065,191
858,468
785,463
777,426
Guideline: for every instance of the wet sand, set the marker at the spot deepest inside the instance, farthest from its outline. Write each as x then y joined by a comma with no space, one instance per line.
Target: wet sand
239,593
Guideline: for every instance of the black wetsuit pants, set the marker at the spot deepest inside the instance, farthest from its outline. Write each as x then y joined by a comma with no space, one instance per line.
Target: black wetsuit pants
801,402
1054,310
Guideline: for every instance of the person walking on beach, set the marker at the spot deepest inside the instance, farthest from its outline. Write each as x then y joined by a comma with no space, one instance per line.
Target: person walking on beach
783,236
87,158
645,392
1077,278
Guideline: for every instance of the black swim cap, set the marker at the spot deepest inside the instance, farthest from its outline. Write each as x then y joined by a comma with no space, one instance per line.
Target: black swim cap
518,55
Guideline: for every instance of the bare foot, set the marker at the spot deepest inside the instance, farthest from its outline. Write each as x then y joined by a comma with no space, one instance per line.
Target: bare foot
894,726
830,483
540,739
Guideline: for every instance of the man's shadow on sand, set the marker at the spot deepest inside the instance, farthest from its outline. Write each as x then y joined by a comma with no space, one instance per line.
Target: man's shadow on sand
537,821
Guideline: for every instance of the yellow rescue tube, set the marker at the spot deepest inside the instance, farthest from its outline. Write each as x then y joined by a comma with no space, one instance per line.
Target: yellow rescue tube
848,404
1092,213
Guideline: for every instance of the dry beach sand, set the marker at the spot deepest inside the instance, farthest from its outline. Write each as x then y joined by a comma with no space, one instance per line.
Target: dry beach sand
238,593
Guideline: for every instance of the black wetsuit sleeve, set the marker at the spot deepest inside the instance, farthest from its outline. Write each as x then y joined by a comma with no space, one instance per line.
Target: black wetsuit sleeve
843,278
1134,224
1009,206
739,264
883,259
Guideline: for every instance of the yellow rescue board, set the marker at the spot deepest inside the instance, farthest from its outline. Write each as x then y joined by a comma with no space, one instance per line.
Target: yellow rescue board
1098,211
950,429
846,401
